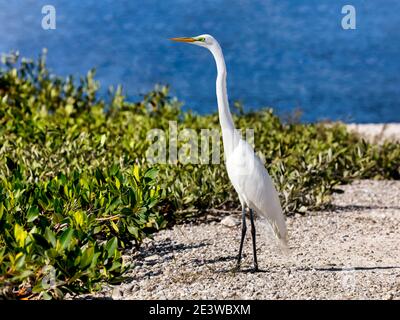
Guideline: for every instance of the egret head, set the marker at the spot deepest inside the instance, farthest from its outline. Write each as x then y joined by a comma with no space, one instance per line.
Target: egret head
203,40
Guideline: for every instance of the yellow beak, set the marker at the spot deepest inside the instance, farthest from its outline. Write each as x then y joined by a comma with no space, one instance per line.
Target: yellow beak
183,39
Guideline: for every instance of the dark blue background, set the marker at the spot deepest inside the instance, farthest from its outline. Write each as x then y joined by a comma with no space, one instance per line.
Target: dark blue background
281,53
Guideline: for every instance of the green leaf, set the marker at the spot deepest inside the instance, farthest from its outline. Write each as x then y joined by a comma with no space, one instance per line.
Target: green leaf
151,173
114,170
20,262
114,226
134,231
117,183
66,237
50,236
115,265
111,246
136,173
1,210
32,214
66,191
20,235
87,256
103,139
46,296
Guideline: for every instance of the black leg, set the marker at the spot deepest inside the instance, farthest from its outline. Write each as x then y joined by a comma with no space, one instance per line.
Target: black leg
244,228
253,235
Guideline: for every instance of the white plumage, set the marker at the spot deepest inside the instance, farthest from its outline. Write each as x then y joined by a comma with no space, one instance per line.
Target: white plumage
247,173
255,188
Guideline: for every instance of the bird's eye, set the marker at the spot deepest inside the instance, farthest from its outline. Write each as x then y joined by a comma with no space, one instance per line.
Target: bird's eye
202,39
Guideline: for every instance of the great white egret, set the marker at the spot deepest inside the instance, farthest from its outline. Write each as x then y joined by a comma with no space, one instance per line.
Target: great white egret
247,173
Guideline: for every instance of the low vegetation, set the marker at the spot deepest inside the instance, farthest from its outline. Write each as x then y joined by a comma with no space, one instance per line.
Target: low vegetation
76,187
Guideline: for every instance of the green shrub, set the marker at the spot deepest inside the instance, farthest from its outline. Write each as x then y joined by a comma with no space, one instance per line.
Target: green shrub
73,225
76,188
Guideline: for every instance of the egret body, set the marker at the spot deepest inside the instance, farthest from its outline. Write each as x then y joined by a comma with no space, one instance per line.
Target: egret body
246,171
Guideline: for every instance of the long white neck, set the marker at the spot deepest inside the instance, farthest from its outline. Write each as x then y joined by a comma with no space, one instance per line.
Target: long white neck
225,116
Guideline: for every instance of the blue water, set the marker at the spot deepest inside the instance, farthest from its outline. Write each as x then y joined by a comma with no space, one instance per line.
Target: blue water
282,53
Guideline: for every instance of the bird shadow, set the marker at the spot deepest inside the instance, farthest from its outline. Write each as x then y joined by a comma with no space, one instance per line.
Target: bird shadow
249,270
352,208
92,297
165,248
347,269
202,262
233,270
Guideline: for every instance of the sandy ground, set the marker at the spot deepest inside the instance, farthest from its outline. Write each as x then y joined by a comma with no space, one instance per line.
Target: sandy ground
349,252
377,132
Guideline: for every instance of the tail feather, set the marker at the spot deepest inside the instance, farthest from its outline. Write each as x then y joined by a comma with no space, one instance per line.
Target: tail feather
276,226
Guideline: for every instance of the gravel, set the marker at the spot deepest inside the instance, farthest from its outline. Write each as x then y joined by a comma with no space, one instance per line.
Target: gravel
351,251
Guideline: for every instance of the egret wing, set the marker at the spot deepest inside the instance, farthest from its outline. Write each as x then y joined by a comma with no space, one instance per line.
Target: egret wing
253,183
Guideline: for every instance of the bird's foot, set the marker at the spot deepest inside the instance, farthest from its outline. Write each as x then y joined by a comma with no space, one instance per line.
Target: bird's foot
255,269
